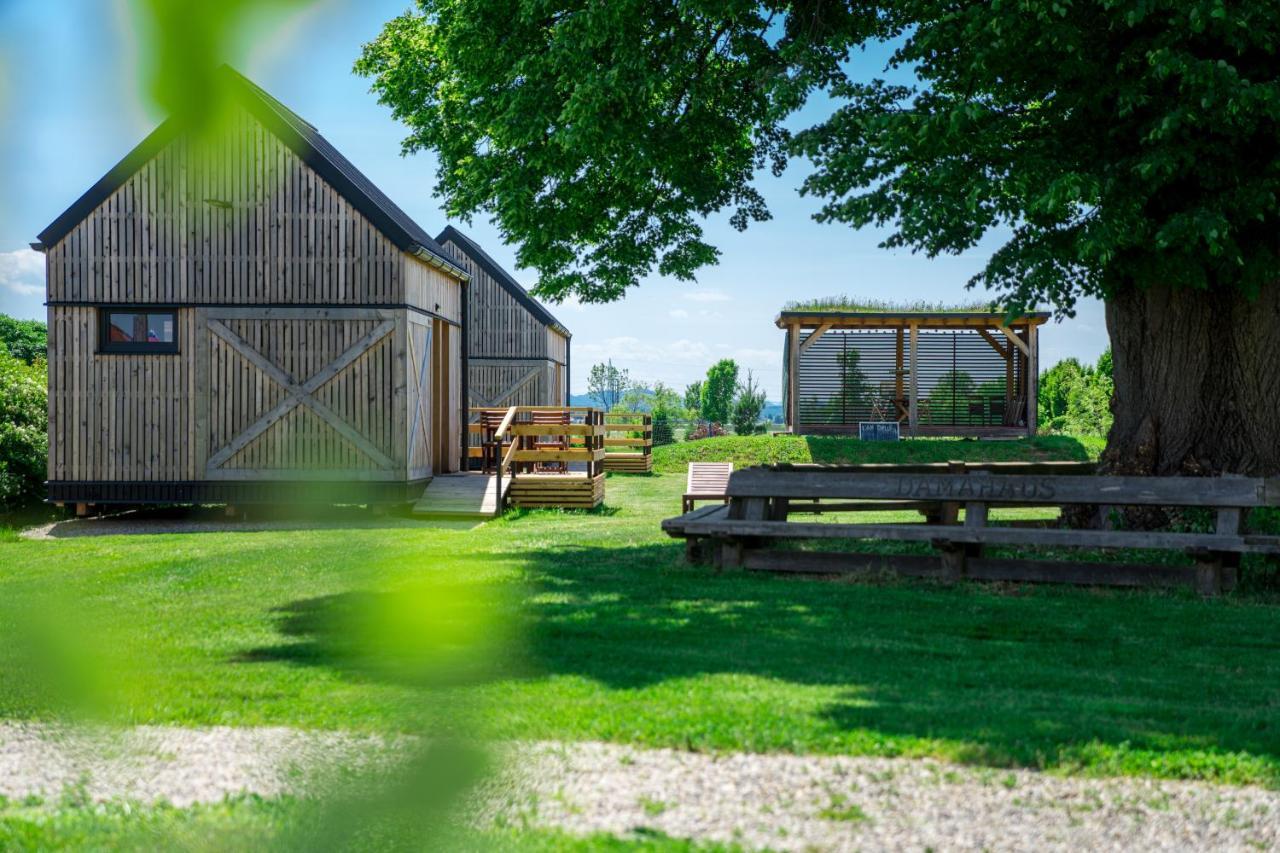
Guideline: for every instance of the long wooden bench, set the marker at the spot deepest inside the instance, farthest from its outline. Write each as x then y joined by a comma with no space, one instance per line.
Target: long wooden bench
761,500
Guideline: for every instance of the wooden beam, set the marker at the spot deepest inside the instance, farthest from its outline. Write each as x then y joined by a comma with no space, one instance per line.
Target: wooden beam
897,373
813,337
1015,340
1033,378
995,344
793,379
914,408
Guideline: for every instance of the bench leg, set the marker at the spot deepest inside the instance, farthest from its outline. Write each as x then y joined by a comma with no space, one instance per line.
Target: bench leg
1216,572
695,550
954,556
730,554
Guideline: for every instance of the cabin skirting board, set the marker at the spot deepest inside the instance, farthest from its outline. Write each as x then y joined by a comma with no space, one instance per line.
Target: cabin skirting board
234,491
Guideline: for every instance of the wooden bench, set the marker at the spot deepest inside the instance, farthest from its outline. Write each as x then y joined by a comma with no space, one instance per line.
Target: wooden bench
707,482
760,502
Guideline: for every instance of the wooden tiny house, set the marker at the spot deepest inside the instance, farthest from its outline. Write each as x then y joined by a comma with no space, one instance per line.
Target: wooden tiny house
517,352
247,318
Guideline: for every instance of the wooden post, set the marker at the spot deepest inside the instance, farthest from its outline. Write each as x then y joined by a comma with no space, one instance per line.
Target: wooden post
951,509
793,379
897,371
1216,571
1033,377
1010,353
914,409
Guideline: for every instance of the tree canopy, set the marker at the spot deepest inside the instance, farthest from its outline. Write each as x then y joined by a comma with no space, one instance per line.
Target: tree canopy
1118,141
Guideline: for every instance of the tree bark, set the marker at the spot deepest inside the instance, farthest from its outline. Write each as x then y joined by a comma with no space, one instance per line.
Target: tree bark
1197,382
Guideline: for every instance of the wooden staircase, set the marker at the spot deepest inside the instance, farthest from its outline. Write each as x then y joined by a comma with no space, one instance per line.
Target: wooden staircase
461,496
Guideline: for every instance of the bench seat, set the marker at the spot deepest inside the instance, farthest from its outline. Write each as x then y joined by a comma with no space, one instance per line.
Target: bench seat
717,524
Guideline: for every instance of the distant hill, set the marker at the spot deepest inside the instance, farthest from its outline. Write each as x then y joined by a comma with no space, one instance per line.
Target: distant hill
772,411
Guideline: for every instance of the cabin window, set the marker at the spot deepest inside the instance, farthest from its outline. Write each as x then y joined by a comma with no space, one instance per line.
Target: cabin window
138,330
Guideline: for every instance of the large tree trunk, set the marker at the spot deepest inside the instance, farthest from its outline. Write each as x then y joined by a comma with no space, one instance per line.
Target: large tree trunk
1197,382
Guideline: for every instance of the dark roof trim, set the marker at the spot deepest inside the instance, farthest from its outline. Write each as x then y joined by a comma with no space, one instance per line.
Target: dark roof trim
304,140
107,184
472,250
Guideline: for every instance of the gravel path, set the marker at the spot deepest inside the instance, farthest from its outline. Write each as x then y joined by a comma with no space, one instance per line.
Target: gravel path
799,803
779,802
148,764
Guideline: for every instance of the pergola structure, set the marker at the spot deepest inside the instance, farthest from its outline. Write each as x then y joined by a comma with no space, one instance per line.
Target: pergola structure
937,373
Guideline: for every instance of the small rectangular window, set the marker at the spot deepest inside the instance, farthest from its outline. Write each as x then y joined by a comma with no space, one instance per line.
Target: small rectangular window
138,330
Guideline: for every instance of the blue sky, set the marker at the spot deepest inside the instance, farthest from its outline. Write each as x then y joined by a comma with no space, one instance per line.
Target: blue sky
71,106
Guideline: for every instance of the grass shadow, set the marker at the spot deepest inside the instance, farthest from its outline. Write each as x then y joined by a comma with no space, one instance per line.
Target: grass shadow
1007,675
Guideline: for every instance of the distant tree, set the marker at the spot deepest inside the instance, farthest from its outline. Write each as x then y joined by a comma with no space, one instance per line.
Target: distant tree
1056,386
748,406
718,391
666,397
25,339
951,395
607,384
638,397
693,399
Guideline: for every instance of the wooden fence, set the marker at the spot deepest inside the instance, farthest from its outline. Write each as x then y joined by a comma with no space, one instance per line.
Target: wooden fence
632,453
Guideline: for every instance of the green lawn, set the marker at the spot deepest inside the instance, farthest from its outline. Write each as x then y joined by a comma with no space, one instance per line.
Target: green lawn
598,630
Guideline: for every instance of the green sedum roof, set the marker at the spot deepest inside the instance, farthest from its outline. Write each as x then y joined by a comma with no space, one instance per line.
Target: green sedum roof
853,304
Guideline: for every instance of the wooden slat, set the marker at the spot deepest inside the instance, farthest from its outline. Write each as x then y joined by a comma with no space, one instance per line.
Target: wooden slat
1006,488
967,535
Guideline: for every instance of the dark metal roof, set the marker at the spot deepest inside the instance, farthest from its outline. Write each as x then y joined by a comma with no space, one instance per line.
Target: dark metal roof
304,140
472,250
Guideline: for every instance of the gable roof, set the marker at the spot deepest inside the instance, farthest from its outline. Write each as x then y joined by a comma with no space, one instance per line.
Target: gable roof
305,141
472,250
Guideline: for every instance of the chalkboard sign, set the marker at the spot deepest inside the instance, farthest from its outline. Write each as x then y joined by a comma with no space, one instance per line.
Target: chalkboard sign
878,431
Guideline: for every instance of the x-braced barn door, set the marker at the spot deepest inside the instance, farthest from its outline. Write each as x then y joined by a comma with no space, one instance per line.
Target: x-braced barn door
421,424
299,393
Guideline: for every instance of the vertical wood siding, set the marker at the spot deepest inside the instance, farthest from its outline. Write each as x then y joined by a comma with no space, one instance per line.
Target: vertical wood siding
244,222
427,288
118,417
513,354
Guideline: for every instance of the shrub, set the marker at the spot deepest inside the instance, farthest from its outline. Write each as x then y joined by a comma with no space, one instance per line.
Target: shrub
24,428
747,408
662,433
27,340
706,429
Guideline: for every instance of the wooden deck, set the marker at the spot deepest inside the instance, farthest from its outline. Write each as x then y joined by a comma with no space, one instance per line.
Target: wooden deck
460,496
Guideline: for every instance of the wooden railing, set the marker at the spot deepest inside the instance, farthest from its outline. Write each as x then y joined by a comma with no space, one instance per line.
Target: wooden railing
631,452
582,440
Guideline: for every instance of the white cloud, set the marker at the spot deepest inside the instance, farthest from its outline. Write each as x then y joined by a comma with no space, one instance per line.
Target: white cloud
707,296
626,351
678,314
22,272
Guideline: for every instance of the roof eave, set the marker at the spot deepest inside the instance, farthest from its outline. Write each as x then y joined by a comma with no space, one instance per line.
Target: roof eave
432,259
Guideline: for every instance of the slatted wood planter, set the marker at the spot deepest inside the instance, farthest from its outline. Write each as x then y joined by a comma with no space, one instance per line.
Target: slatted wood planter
627,453
569,491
